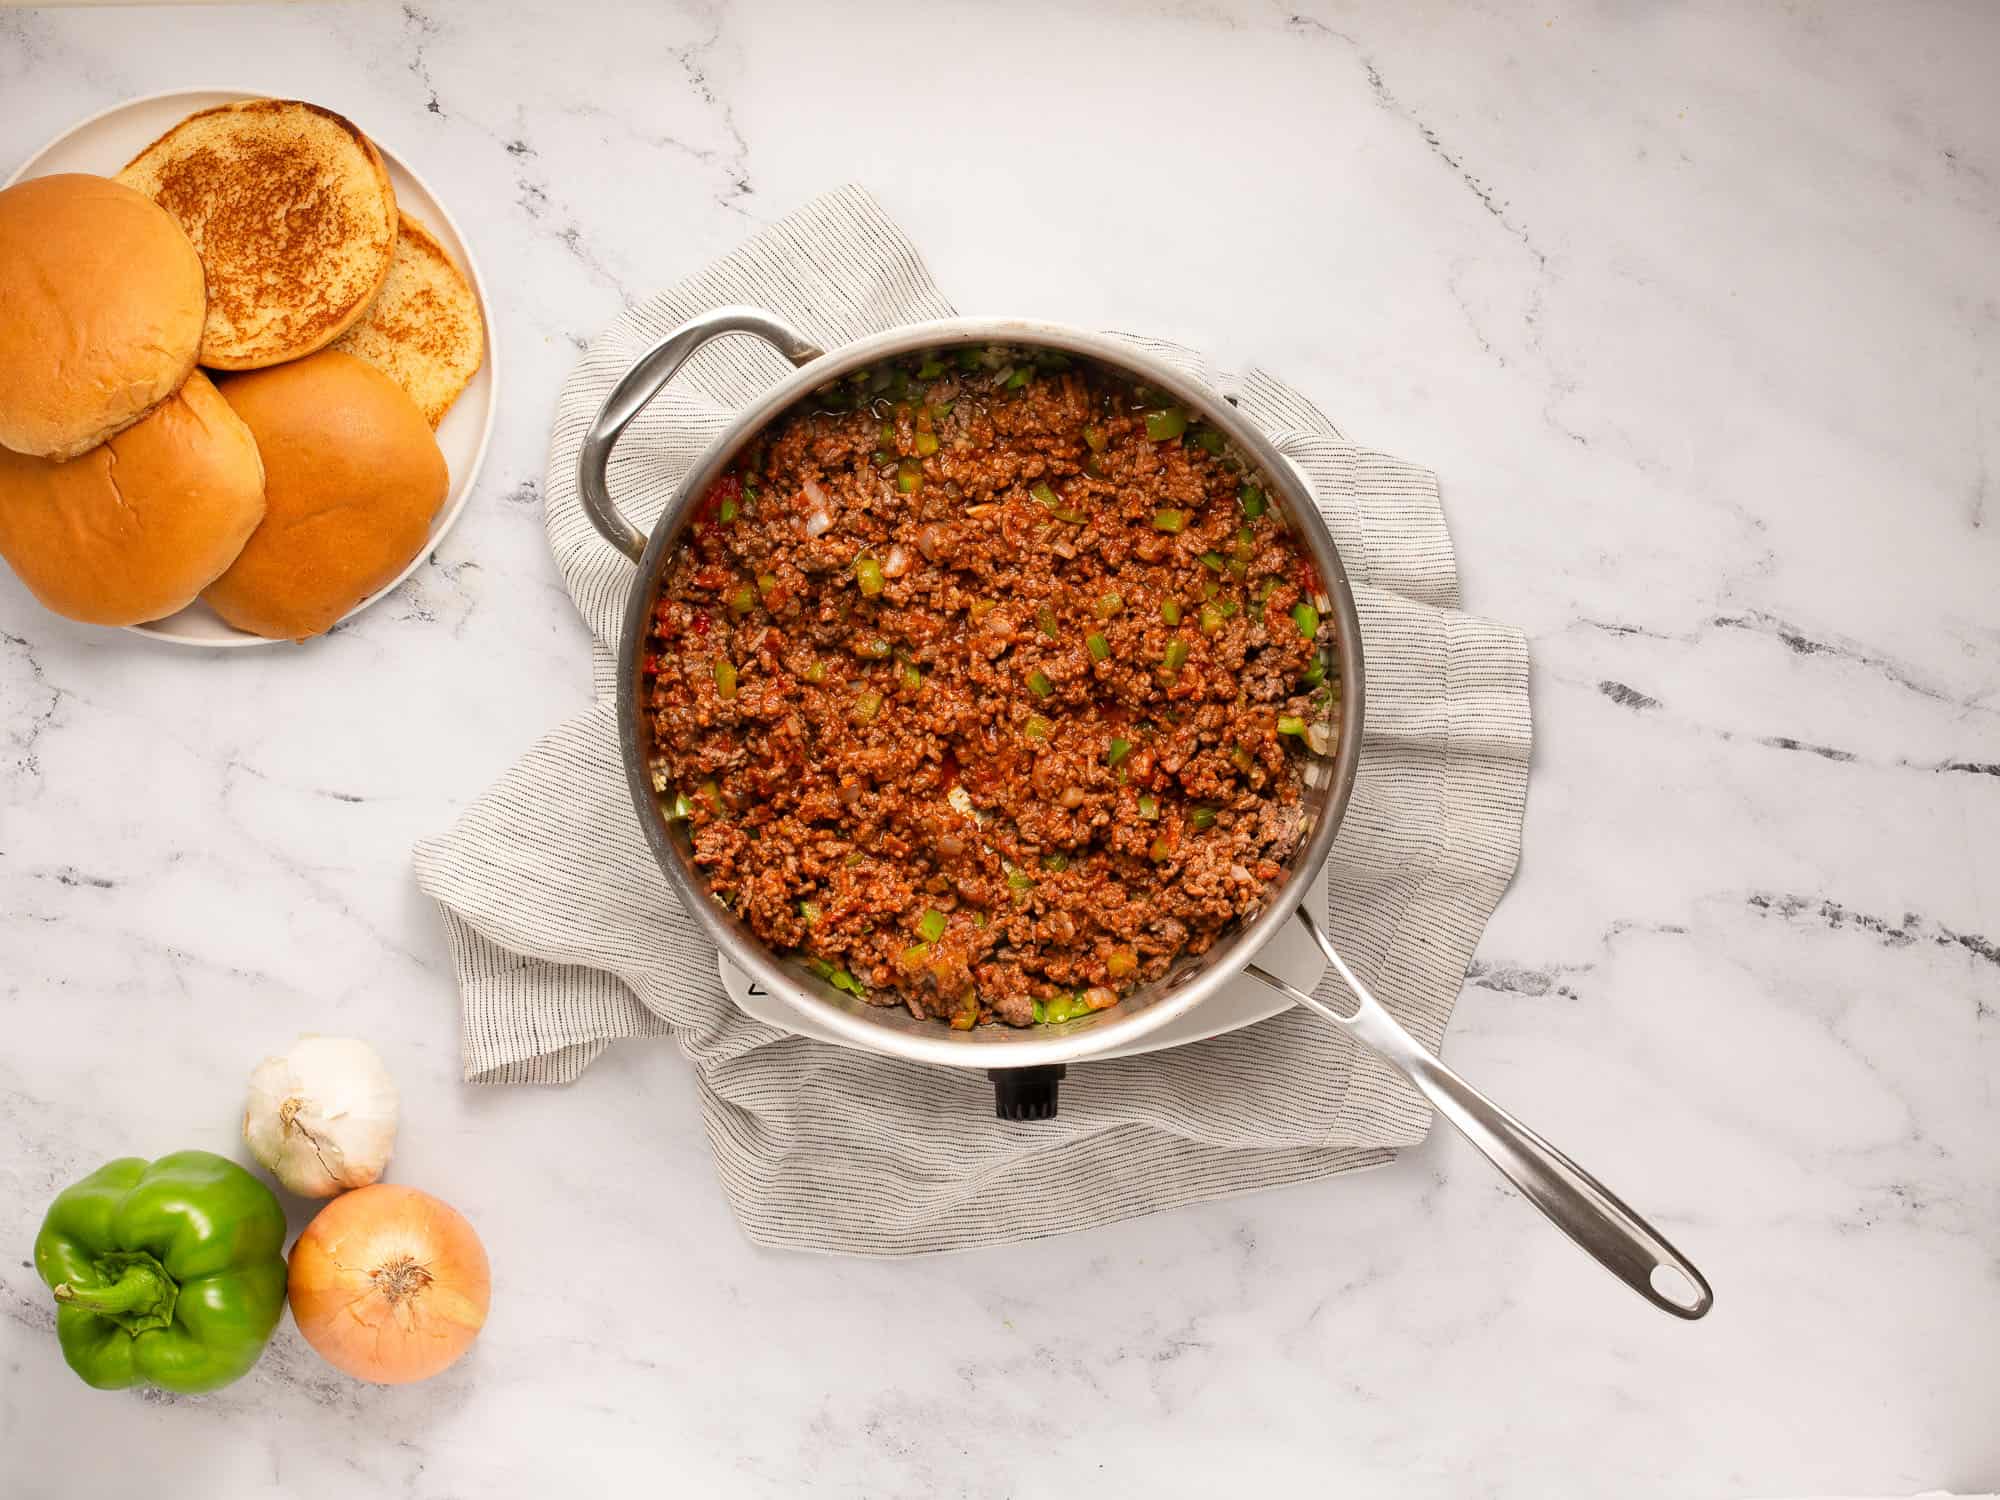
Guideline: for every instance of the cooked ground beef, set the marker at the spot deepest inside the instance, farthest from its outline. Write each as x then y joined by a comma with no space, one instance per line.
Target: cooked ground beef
982,682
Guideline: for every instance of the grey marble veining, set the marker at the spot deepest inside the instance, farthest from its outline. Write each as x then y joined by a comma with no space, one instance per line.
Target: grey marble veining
1693,309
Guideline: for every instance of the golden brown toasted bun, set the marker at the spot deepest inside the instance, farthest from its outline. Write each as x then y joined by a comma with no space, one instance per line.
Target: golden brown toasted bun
136,528
424,330
352,478
292,211
101,308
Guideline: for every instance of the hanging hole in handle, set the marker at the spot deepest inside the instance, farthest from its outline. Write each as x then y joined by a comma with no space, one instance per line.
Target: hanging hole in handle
1673,1284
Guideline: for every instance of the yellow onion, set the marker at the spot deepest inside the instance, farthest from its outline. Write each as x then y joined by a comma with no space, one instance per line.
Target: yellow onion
390,1284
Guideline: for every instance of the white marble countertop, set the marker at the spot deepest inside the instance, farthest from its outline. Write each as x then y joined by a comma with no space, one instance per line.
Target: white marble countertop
1694,313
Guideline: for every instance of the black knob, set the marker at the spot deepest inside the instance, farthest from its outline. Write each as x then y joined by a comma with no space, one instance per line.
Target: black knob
1026,1093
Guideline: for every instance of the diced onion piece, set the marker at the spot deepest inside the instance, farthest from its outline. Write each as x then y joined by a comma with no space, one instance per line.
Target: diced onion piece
897,563
819,516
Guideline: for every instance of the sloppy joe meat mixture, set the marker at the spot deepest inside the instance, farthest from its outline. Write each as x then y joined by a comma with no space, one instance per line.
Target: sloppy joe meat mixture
984,681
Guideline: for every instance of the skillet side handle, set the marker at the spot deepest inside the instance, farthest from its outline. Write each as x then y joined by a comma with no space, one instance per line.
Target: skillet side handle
645,380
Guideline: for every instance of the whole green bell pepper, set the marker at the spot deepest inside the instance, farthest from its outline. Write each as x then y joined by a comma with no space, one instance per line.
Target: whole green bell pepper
169,1273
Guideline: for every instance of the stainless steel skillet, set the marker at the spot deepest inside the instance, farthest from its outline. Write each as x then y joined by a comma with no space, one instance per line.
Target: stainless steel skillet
1026,1063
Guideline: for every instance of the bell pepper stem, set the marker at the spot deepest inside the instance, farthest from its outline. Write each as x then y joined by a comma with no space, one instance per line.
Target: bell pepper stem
140,1288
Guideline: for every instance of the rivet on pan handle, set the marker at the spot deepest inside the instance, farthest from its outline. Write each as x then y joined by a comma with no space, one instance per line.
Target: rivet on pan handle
642,383
1574,1201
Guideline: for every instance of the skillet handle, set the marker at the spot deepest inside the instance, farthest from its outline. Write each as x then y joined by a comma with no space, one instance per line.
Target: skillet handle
642,383
1574,1201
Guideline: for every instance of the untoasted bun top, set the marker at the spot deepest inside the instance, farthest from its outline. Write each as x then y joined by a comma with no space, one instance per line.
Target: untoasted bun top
135,529
292,211
424,331
352,480
100,311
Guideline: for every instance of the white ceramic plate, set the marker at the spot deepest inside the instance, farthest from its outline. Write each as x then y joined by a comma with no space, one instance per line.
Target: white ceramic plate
1291,955
105,142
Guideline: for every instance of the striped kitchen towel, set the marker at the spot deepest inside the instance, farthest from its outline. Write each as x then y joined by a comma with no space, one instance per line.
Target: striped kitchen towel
565,937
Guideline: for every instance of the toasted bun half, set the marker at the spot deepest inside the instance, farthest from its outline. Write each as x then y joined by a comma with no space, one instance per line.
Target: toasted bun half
424,330
136,528
292,211
352,480
101,308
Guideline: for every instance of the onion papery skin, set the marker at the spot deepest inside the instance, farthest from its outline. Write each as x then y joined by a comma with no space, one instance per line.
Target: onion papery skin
389,1284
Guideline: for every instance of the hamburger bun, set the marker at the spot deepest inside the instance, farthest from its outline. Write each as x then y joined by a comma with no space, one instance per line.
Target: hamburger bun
292,212
101,309
352,480
424,330
134,529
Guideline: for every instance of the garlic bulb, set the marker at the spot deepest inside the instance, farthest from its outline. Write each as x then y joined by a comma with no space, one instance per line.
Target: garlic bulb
322,1118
